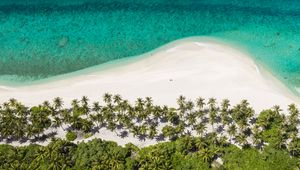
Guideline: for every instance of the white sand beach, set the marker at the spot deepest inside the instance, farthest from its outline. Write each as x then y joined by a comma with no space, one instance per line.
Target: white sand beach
188,68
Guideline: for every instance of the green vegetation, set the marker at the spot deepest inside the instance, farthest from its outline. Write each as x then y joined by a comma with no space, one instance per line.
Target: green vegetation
71,136
195,135
98,154
87,135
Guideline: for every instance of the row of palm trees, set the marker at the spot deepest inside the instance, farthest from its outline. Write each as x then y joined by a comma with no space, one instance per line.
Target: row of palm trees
237,124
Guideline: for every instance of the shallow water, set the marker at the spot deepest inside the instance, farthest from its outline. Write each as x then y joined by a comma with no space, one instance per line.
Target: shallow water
43,38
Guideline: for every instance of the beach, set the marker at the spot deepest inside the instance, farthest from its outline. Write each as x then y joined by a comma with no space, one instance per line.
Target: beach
190,68
193,69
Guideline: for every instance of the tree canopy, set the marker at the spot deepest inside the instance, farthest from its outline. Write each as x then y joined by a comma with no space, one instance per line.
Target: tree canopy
194,135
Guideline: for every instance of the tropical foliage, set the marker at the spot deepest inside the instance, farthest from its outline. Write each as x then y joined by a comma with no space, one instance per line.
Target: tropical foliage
98,154
71,136
199,135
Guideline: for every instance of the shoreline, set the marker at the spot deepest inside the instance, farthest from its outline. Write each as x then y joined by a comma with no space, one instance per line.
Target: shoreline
165,56
294,92
113,63
190,68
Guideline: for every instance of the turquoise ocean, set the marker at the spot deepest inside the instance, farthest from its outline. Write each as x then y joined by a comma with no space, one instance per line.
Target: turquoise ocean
44,38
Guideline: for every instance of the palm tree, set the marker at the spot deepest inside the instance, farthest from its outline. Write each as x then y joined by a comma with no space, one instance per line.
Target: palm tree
127,121
19,128
86,125
232,130
256,135
135,130
242,113
212,103
206,154
212,111
191,119
189,106
75,104
200,129
58,103
200,103
277,109
152,132
181,100
12,102
182,105
149,106
139,104
189,144
84,100
57,122
108,113
84,110
225,111
46,104
222,141
29,131
107,98
157,112
242,140
164,111
143,130
117,98
200,143
96,107
280,142
293,114
6,106
172,116
111,125
148,101
294,147
93,118
169,131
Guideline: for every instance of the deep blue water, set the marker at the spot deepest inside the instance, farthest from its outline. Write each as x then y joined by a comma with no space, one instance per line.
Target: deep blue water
43,38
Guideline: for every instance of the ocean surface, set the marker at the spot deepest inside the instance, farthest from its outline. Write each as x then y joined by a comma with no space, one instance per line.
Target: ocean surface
44,38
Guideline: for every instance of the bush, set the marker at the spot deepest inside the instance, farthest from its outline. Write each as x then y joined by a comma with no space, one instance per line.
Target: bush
71,136
87,135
